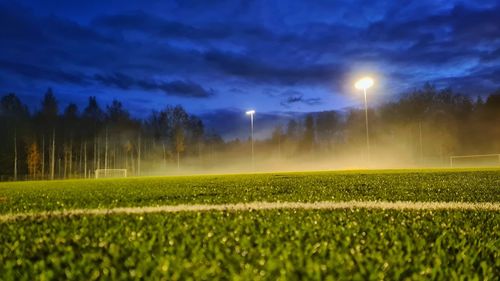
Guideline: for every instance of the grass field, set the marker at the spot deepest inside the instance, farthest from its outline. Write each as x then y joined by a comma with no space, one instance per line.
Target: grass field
288,244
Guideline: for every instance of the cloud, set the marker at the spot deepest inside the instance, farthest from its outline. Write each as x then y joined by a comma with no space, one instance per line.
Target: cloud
460,23
150,24
300,45
43,73
294,97
118,80
185,89
254,69
178,88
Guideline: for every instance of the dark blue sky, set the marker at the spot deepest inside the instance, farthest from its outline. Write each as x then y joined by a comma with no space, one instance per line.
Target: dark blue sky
227,56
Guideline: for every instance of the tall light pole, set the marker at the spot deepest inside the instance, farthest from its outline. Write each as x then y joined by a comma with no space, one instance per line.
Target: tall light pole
363,84
251,113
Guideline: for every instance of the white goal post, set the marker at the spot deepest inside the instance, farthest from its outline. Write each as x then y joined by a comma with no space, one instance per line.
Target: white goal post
481,159
110,173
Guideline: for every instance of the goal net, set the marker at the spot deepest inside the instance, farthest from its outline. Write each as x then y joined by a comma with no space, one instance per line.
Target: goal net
483,160
110,173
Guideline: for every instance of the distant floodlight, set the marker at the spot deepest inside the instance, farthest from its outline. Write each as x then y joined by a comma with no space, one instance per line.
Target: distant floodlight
251,113
364,83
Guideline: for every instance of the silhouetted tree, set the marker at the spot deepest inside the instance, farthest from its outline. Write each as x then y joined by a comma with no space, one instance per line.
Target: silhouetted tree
179,143
328,124
308,138
48,113
292,130
278,138
33,160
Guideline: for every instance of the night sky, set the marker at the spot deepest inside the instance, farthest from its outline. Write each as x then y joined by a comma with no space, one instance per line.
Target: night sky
219,58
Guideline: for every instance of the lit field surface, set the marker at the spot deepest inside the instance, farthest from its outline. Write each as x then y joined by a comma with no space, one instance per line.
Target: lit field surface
392,185
416,225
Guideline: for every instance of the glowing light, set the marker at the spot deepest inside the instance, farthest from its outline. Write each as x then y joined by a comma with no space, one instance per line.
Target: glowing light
251,113
364,83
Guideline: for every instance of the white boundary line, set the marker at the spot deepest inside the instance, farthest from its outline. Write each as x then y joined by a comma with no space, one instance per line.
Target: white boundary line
323,205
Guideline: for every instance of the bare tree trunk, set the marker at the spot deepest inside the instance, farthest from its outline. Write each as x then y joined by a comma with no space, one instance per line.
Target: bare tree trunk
132,162
126,160
421,148
15,155
94,166
106,153
98,154
53,152
70,158
199,150
164,156
178,161
80,158
43,156
85,159
279,145
139,156
65,149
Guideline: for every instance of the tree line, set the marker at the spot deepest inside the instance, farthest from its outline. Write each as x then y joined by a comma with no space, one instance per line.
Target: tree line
52,143
422,126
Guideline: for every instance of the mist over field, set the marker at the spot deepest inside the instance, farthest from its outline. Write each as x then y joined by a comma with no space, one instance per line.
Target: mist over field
423,128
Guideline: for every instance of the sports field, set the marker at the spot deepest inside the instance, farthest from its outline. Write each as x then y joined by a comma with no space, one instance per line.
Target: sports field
414,224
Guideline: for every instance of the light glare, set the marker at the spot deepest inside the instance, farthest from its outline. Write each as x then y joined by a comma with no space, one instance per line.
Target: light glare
364,83
250,112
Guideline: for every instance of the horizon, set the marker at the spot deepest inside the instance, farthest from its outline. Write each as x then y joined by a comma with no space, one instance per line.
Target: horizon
237,129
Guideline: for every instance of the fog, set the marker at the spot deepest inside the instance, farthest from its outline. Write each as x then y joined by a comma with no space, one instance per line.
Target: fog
425,128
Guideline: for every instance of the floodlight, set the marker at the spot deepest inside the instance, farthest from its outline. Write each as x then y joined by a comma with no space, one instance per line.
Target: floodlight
364,83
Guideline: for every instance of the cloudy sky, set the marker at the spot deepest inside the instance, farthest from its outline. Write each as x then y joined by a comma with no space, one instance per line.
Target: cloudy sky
218,57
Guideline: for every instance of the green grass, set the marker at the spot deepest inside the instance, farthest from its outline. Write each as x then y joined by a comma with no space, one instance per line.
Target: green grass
427,185
274,244
286,245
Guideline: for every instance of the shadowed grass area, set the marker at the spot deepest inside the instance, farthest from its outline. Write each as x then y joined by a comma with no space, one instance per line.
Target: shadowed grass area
279,244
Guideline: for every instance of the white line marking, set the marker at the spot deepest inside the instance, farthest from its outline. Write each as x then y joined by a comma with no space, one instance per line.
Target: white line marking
323,205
